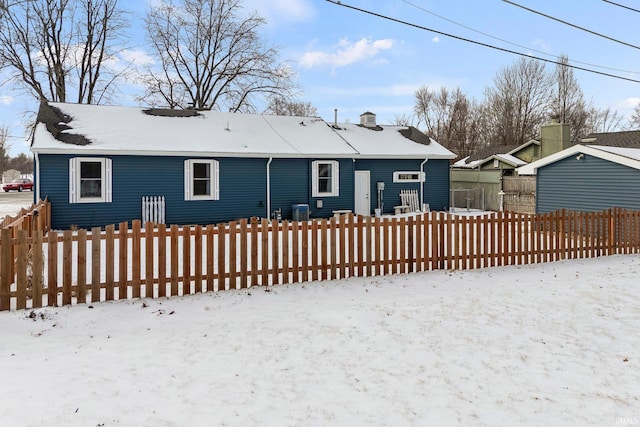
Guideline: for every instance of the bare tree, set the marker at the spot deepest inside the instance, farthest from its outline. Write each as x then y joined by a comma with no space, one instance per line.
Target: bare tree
518,103
57,49
634,122
402,120
281,106
22,163
4,148
604,120
568,101
449,117
211,56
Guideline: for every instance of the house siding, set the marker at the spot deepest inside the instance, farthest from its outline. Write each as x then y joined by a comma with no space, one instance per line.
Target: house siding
588,185
290,184
436,188
242,190
344,200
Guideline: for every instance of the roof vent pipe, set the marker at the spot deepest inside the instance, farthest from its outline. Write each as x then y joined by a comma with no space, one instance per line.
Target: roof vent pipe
335,117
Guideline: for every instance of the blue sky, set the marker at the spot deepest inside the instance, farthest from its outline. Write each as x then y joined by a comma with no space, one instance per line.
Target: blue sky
355,62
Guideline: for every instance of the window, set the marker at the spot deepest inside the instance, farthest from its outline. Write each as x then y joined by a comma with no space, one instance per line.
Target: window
89,180
201,179
326,178
408,176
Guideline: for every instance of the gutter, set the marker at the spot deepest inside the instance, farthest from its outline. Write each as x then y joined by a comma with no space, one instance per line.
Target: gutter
269,188
422,181
37,181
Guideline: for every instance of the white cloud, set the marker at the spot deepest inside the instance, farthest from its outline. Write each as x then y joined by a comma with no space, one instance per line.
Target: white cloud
391,90
436,39
282,10
631,102
136,56
542,45
346,53
6,99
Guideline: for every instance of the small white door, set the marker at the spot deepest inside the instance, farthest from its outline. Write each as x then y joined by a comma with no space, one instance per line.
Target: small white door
362,204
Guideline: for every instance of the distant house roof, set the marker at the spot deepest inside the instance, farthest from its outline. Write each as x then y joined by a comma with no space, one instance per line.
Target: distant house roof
97,129
504,153
510,159
486,152
622,155
630,138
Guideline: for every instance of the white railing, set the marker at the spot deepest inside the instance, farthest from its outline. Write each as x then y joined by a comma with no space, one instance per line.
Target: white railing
153,209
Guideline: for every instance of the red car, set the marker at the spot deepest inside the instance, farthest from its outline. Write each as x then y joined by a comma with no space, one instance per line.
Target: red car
19,184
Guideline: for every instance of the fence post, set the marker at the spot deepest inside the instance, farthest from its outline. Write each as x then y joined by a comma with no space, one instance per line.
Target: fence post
37,269
148,258
52,270
81,288
613,232
21,270
123,244
264,230
110,262
95,264
5,269
67,267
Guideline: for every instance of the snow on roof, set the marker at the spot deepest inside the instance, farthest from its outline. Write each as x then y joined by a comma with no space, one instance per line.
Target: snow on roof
128,130
387,141
624,156
631,153
512,160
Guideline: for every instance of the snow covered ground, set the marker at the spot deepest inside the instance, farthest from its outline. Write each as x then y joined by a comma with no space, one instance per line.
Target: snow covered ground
553,344
12,207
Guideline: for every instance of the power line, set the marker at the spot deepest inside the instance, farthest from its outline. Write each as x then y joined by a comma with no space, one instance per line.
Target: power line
420,27
572,25
511,43
621,5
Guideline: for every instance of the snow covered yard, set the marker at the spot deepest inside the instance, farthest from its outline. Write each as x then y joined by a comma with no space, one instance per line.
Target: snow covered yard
550,344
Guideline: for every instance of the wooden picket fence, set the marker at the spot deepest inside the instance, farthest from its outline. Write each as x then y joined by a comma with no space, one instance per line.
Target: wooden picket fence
76,267
37,217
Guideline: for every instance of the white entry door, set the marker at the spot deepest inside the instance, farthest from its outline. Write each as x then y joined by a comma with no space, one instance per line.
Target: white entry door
362,194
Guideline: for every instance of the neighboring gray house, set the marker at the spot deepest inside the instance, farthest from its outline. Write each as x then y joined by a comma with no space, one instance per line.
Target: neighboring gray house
587,178
98,164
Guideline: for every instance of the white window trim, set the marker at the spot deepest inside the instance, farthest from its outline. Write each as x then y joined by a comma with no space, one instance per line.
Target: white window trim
188,179
105,180
335,178
397,176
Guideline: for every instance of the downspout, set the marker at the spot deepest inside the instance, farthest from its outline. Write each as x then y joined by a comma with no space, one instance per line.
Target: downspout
269,188
37,160
422,181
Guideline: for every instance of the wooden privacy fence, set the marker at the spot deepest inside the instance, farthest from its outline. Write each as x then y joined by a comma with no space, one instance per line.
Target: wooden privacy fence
75,267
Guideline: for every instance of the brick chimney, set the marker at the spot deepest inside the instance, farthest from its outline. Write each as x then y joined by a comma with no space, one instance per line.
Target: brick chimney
554,137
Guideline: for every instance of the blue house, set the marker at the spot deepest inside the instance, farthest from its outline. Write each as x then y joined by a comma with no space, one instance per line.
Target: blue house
95,164
587,178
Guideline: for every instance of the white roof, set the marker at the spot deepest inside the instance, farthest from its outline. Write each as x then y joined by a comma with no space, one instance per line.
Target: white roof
387,141
128,130
625,156
510,159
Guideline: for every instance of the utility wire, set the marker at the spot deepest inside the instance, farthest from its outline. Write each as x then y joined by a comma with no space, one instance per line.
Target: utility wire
572,25
420,27
621,5
511,43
